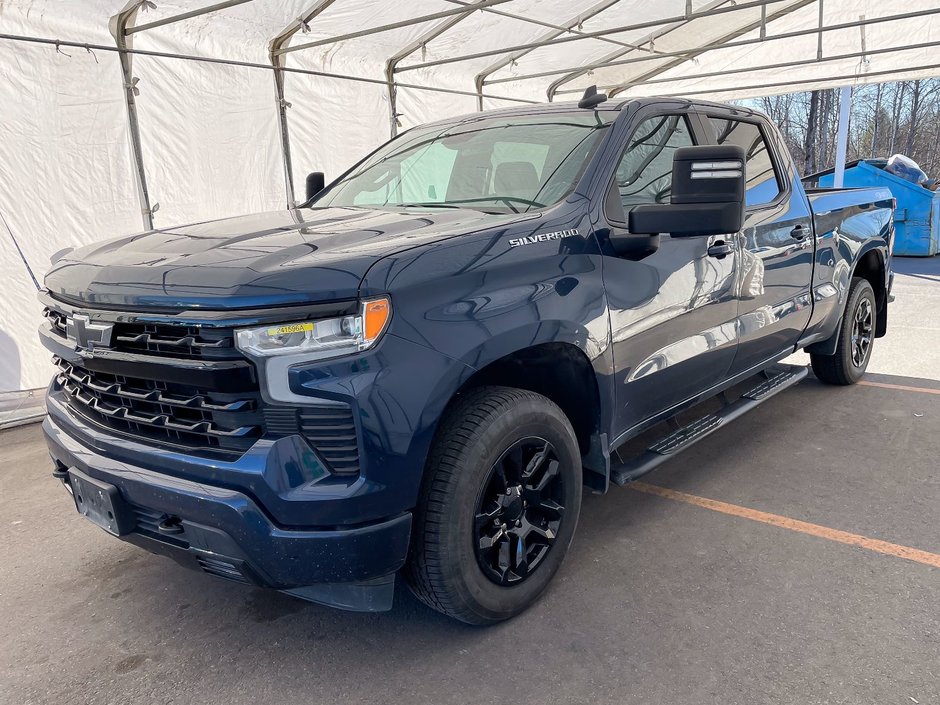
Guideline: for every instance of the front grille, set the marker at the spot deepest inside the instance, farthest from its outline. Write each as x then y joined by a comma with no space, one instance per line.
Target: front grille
189,387
188,342
162,411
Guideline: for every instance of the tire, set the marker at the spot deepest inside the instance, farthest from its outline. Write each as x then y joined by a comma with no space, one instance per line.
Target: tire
464,518
856,337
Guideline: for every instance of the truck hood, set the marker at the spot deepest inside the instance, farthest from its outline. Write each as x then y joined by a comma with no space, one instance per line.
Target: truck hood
267,259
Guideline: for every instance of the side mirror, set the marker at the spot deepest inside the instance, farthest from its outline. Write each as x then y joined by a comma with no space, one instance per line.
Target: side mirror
708,185
315,183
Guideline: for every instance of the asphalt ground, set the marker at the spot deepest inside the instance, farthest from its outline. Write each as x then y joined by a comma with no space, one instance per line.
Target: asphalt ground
774,562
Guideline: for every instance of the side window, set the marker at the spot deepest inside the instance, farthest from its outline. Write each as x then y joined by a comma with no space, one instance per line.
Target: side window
644,174
762,183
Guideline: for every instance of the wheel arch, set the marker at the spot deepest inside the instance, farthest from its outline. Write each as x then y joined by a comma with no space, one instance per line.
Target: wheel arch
869,265
563,372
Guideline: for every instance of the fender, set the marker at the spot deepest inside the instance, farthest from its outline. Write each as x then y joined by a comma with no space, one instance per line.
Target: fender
828,346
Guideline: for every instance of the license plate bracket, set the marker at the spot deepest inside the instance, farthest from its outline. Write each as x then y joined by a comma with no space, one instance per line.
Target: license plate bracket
100,503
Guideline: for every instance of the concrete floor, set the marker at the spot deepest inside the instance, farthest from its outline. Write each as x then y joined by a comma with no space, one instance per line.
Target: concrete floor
660,601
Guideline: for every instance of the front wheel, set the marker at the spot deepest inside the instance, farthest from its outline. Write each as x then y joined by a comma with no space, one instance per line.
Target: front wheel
498,507
856,336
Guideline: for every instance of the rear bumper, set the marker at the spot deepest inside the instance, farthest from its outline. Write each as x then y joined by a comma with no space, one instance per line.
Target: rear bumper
227,534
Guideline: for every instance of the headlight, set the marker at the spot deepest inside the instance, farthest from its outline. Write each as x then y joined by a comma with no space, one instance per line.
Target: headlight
317,340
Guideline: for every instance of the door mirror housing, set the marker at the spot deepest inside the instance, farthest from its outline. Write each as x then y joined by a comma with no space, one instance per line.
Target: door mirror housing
315,183
708,185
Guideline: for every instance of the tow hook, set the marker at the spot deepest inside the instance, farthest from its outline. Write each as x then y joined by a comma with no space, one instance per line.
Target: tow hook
170,525
60,472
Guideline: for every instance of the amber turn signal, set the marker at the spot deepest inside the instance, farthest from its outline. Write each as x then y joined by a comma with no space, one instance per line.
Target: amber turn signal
375,316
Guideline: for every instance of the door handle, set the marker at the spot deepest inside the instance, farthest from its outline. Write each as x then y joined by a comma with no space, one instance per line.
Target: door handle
720,250
798,232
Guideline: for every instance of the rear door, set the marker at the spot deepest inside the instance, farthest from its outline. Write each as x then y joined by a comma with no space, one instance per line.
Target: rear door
672,312
776,244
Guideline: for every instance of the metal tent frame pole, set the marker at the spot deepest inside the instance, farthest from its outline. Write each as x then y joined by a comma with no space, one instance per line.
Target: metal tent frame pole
724,39
842,140
729,45
895,74
595,34
184,15
391,64
648,39
391,26
278,61
123,27
118,25
248,65
481,78
561,28
769,67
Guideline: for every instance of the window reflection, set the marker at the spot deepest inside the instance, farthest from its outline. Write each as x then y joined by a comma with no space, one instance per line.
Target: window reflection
762,184
645,172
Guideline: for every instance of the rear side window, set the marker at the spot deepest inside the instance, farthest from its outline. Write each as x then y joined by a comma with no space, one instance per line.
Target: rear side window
644,174
763,186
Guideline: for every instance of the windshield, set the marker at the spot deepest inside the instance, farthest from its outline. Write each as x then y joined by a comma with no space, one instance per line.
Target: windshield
498,164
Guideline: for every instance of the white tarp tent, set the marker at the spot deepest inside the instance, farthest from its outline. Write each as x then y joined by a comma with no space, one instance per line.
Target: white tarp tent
223,99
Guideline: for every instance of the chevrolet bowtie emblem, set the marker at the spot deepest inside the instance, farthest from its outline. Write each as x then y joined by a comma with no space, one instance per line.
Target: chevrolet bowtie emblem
86,334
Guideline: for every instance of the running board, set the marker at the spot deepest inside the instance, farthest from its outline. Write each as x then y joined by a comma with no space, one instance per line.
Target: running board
776,379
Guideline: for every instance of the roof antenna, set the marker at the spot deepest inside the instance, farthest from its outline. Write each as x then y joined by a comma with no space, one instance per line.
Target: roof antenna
591,98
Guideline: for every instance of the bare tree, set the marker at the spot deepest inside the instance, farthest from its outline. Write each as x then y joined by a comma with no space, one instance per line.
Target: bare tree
885,118
809,143
875,120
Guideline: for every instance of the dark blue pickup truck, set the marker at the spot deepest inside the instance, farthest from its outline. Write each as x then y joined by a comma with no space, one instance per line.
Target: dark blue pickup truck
419,369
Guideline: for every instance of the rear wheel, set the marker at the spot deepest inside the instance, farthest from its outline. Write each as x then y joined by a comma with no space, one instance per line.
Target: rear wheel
856,337
498,507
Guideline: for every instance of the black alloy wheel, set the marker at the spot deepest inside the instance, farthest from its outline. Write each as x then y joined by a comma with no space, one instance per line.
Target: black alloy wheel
863,329
519,511
498,507
847,363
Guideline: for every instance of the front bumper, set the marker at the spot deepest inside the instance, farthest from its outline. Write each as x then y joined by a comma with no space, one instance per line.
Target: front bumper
225,533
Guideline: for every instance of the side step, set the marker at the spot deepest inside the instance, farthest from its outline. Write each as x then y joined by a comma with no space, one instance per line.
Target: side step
776,379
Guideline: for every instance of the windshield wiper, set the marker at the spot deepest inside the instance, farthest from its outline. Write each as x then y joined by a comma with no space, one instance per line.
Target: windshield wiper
508,200
422,205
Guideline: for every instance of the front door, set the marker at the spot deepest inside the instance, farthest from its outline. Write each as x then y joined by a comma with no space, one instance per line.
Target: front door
672,313
776,248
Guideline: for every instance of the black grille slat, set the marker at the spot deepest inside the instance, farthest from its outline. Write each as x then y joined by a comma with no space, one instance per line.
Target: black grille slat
196,401
281,421
147,339
188,342
331,430
57,319
151,411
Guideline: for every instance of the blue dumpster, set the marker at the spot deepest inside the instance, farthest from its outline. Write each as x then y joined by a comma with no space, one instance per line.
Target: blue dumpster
917,219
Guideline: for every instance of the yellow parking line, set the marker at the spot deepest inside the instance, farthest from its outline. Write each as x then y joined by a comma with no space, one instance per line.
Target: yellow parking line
803,527
903,388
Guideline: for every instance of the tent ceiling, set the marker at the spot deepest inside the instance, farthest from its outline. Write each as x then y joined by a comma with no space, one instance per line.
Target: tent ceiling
543,49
